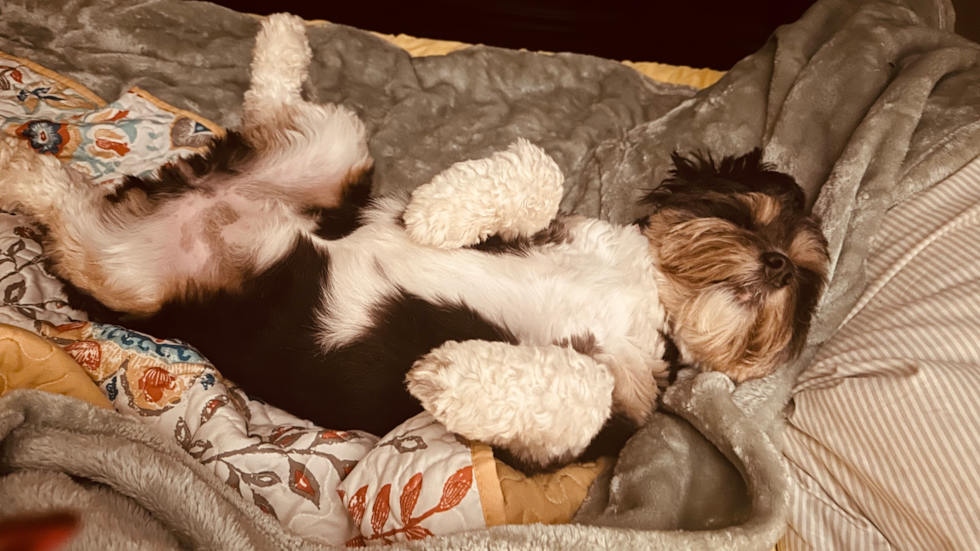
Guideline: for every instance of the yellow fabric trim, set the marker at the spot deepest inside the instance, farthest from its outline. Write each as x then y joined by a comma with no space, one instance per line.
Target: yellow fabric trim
63,80
422,47
548,498
677,74
214,128
487,483
29,361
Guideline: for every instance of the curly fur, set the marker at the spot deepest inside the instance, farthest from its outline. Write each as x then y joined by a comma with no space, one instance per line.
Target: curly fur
513,324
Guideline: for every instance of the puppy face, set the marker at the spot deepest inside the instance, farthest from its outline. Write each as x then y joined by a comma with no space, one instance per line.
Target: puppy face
741,264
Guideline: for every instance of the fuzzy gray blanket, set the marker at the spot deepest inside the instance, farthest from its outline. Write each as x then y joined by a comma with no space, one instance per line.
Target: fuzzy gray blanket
864,102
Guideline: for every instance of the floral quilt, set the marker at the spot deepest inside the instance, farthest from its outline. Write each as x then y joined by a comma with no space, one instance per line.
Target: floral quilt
325,484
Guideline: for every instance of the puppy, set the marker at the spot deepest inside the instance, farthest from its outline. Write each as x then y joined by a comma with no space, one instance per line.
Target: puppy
269,255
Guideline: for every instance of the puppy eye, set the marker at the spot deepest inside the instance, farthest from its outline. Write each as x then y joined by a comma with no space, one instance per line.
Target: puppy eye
732,213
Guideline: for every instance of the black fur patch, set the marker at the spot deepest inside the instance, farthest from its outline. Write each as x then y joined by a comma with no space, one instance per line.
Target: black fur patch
611,438
227,154
695,176
341,221
672,355
556,232
584,344
371,372
265,340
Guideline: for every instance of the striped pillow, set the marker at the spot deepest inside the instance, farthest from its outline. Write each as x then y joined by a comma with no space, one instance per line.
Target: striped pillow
884,439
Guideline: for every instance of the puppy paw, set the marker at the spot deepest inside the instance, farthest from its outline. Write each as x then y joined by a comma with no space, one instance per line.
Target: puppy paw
31,183
512,193
280,61
542,404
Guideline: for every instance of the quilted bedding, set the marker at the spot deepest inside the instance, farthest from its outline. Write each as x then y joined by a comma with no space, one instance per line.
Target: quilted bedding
865,102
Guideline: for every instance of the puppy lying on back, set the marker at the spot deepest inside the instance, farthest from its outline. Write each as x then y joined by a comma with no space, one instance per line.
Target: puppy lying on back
521,327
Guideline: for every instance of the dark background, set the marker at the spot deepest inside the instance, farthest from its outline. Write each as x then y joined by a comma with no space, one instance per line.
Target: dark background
697,33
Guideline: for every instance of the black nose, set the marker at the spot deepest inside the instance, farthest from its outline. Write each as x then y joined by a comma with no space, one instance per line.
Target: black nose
779,270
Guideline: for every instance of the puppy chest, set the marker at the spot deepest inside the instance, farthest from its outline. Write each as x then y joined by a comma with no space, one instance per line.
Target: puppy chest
586,288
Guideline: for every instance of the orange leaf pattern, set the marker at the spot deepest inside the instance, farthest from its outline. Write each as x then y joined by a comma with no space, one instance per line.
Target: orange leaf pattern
410,496
417,532
456,488
303,482
428,489
86,353
357,505
379,515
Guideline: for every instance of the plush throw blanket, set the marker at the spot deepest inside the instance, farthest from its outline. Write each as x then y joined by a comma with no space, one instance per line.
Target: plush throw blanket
865,103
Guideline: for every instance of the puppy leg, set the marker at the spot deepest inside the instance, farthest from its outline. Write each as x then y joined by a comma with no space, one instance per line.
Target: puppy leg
71,210
309,153
148,241
513,193
542,404
636,390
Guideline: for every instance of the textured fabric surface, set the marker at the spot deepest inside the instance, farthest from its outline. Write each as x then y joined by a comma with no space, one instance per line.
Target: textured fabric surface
133,135
30,293
288,467
865,103
28,361
883,439
661,72
549,498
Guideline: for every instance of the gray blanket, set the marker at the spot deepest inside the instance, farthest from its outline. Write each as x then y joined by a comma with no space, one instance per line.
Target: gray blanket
865,103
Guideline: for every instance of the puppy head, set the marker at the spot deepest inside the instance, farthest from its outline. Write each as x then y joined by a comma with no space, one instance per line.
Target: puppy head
740,263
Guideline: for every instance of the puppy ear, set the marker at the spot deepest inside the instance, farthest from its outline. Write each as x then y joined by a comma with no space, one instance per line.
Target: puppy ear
698,173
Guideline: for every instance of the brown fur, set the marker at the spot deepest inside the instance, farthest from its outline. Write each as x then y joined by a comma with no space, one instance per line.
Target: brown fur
708,237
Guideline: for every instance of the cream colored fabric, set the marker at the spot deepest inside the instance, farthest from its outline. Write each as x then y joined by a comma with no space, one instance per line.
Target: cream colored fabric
884,438
28,361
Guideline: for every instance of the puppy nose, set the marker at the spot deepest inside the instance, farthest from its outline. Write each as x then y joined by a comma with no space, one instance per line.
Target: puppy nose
779,270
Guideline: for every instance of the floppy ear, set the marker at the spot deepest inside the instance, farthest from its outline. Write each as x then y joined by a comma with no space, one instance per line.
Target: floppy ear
698,173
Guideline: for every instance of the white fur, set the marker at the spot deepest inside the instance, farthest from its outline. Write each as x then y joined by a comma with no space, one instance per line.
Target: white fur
551,293
134,261
144,260
310,150
34,183
542,402
599,282
512,193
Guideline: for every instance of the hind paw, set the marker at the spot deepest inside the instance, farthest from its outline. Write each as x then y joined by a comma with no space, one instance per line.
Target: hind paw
512,193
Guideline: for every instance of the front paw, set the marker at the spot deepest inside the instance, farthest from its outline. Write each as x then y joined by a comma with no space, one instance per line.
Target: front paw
542,404
512,193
